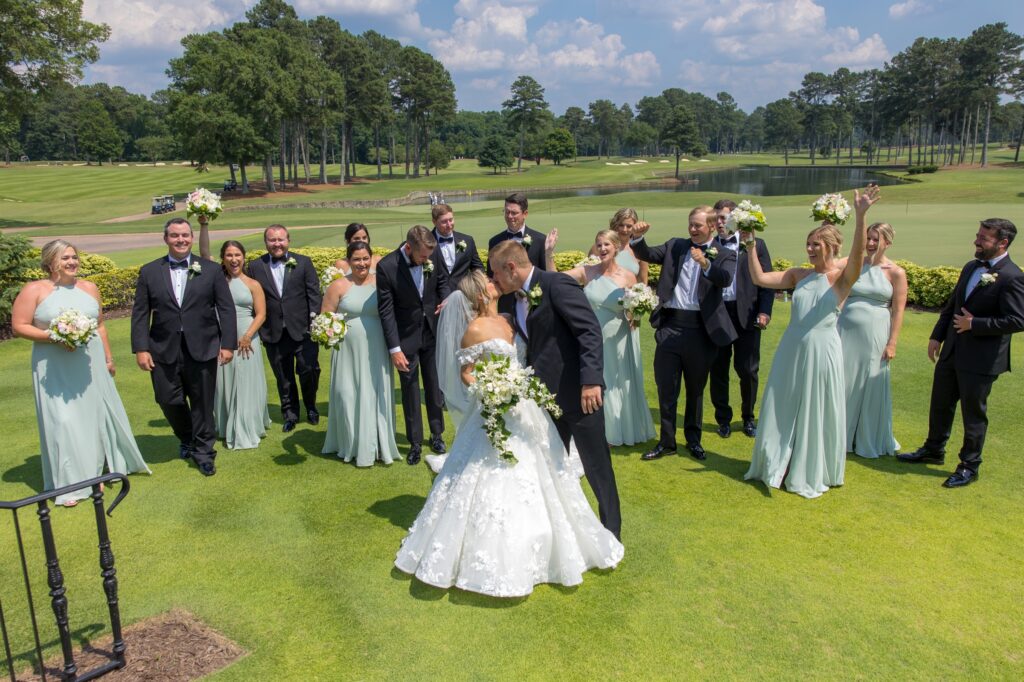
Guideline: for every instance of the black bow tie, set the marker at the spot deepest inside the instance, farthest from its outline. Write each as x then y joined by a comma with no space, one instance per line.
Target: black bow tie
177,264
984,263
446,240
520,294
703,248
735,239
516,235
275,260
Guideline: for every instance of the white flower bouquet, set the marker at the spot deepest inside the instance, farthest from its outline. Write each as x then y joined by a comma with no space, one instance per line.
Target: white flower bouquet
328,329
638,300
329,276
203,202
747,217
832,208
500,385
72,328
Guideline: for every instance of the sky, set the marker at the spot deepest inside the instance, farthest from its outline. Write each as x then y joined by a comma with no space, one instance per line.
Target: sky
579,51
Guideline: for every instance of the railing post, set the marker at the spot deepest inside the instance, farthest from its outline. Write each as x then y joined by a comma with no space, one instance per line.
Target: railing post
55,579
109,574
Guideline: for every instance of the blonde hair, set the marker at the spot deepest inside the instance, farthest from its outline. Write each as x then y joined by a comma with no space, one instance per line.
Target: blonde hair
705,210
829,234
52,251
474,287
610,235
621,216
509,251
885,231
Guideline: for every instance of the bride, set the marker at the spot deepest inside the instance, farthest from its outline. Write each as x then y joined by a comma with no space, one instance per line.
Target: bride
489,526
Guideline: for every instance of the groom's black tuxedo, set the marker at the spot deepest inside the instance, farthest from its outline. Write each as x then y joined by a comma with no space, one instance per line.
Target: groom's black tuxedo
687,340
565,349
410,323
285,333
969,363
184,342
466,260
535,250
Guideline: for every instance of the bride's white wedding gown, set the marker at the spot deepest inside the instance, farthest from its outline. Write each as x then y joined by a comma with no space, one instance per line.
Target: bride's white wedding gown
492,527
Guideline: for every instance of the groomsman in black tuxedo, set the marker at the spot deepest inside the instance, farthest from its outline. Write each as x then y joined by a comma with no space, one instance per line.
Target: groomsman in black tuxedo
692,323
750,311
970,346
411,285
183,325
292,290
564,347
457,251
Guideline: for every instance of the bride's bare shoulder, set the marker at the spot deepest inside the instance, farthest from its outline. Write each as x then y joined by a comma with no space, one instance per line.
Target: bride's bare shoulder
486,328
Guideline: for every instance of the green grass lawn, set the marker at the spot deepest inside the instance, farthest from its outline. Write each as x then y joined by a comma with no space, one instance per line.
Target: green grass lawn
290,554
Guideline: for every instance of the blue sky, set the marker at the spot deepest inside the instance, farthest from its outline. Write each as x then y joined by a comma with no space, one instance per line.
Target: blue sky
758,50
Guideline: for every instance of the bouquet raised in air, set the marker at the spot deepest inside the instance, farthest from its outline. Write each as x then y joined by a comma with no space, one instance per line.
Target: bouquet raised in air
72,328
747,217
328,329
500,384
203,202
832,208
330,274
638,300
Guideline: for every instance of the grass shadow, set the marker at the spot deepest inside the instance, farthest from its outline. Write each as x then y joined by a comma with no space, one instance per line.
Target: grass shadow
30,472
7,222
401,511
421,591
299,445
158,449
891,465
82,636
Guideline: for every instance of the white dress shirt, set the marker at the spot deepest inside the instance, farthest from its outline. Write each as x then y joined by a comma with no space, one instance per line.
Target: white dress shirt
684,297
523,305
277,272
179,278
733,244
447,250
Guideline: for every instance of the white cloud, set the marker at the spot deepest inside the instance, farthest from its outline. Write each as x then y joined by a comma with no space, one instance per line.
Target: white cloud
751,84
902,9
869,53
146,24
485,83
372,7
751,29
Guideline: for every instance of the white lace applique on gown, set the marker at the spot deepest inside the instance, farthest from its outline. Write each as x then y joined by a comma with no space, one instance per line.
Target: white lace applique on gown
499,529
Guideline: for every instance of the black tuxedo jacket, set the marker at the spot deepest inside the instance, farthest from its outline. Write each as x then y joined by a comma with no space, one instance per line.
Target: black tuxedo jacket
409,321
292,310
564,344
752,300
670,256
535,250
206,315
465,261
998,310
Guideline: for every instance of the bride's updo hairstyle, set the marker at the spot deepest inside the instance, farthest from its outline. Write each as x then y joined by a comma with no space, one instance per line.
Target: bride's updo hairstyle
830,235
612,236
474,287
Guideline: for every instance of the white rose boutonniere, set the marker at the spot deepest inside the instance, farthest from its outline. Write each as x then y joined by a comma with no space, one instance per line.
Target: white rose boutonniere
461,245
987,279
526,241
534,295
194,269
428,268
291,262
711,253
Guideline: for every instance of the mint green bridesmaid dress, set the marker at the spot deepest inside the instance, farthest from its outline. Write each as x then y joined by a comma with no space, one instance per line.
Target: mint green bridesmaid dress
627,419
628,261
240,406
801,435
864,327
82,422
361,415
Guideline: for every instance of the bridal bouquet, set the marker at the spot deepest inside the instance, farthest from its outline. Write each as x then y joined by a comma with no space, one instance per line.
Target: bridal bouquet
747,217
638,300
72,328
500,385
330,274
328,329
203,202
832,208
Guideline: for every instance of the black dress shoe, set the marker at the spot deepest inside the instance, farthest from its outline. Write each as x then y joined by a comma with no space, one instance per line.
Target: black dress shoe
749,430
697,451
658,452
313,417
437,445
724,430
184,451
207,469
414,456
923,456
960,478
289,425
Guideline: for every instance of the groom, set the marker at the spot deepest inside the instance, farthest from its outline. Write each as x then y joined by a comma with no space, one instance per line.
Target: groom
564,347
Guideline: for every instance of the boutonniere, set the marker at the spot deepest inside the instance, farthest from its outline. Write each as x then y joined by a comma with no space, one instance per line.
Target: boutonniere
428,268
711,253
194,269
291,262
988,278
460,245
526,241
534,296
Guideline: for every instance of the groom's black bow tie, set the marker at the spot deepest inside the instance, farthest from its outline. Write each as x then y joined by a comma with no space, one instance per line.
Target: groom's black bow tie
704,247
984,263
275,259
735,239
177,264
446,240
516,235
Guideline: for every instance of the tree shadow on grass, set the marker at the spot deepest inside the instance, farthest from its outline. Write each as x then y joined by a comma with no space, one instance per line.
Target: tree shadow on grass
401,510
891,465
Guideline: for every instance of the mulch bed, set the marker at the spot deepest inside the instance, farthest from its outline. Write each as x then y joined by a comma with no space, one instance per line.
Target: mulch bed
171,647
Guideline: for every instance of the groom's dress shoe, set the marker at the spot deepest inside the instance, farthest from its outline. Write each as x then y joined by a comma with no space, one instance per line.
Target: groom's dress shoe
960,478
923,456
414,455
313,417
437,445
658,452
289,425
749,429
697,451
184,451
207,468
724,430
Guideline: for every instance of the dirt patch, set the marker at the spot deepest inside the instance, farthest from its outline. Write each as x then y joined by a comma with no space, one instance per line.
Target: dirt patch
171,647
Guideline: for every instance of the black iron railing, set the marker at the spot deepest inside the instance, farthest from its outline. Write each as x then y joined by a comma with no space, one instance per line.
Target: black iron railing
55,579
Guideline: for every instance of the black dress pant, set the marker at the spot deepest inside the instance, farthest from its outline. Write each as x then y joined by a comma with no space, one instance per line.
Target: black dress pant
421,364
588,432
745,352
289,357
185,390
949,387
684,351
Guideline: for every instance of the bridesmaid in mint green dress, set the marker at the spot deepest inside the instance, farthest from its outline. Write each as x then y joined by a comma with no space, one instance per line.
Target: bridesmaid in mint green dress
869,327
361,415
627,418
801,435
622,222
240,407
82,422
